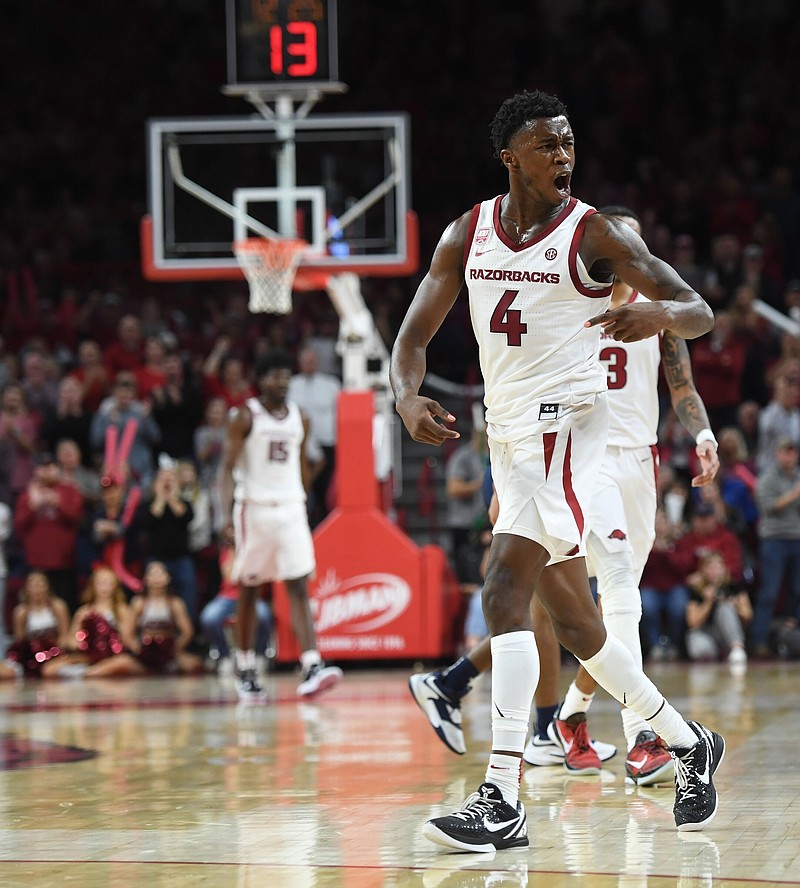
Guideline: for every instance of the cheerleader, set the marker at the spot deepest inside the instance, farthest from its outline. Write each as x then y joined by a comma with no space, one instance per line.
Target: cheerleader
163,626
41,628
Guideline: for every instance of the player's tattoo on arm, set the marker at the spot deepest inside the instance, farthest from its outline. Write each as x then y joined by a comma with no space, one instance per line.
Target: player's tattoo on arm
686,402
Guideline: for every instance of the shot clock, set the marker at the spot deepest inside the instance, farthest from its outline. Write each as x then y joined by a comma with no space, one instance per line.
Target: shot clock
277,43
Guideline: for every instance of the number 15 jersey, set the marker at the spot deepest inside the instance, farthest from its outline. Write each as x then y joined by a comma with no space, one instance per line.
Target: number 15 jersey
528,305
268,470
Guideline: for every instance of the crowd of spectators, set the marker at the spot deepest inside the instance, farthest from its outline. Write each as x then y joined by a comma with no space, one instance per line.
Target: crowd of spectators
90,352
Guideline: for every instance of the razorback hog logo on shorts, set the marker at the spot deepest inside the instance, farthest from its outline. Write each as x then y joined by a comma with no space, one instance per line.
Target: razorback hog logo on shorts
617,535
359,604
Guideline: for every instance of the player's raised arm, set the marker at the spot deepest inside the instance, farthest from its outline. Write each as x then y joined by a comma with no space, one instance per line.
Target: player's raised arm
434,298
609,246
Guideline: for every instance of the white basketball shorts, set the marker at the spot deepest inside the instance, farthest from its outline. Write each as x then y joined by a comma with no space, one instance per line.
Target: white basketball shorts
623,509
545,481
271,543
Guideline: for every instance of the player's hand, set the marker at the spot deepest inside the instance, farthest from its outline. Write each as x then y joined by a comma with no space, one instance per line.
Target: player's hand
709,464
630,323
420,416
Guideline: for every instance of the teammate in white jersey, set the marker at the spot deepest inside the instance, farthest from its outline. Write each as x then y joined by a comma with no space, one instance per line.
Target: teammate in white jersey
265,475
621,525
546,448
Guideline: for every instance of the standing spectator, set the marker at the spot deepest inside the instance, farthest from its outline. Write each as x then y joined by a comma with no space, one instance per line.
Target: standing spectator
69,420
119,410
725,273
47,517
166,518
201,530
716,614
209,439
466,509
223,375
92,374
747,417
737,482
718,361
754,275
177,408
19,432
781,417
664,595
86,480
317,395
111,532
127,352
778,497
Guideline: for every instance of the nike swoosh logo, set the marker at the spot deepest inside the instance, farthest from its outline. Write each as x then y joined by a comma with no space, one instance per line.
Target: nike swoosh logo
704,777
640,764
496,827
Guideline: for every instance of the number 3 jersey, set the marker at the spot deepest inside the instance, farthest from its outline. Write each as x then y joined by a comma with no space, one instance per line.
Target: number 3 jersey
632,369
268,469
528,305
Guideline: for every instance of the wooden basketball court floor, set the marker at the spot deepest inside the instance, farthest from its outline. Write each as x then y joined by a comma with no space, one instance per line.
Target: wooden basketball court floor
171,782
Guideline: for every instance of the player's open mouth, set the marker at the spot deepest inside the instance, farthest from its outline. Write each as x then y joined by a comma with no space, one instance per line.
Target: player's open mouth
562,183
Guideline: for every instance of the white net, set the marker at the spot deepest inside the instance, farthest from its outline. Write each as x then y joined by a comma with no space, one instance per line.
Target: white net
270,267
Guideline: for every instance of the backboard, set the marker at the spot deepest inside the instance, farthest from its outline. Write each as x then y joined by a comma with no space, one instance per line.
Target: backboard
340,182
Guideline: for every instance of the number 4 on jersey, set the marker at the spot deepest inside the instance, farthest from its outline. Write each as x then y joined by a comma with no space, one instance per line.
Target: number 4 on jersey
508,320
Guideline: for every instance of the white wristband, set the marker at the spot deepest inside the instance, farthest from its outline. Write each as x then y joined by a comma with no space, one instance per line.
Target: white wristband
705,435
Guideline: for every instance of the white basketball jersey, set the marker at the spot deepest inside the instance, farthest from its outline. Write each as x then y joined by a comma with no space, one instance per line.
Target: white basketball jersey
268,469
632,369
528,304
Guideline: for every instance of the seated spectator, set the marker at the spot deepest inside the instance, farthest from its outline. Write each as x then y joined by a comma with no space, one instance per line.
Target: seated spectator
69,420
221,608
47,518
708,534
163,626
664,595
123,411
5,533
177,408
150,373
92,374
126,353
41,393
19,435
747,422
716,614
41,627
778,498
165,520
223,376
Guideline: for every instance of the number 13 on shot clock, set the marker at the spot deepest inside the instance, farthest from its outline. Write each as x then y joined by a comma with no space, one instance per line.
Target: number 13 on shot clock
280,42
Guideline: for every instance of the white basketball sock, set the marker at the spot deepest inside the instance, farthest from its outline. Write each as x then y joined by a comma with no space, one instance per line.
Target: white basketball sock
515,674
574,701
613,668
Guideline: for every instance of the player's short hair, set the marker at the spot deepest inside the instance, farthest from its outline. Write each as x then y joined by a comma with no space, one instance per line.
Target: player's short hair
519,110
619,210
277,359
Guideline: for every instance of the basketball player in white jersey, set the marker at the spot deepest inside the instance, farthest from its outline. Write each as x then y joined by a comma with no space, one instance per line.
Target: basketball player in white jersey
265,475
621,525
539,265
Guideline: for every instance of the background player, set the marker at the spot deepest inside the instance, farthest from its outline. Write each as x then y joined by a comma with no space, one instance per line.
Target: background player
266,474
621,532
535,260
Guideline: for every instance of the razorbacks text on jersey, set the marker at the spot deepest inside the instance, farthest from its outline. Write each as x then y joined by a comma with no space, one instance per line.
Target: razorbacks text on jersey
268,469
529,303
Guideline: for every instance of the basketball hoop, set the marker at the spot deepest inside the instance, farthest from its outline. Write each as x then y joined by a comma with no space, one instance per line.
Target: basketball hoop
270,267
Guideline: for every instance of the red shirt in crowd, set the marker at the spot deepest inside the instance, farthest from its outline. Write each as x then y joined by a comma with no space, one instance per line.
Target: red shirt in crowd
48,530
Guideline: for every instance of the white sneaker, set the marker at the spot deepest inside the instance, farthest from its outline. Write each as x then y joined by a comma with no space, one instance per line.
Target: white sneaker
737,656
318,678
